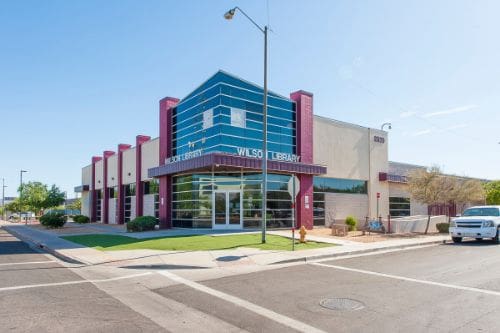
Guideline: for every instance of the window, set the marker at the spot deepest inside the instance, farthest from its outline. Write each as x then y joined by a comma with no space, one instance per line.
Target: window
399,206
208,118
151,187
338,185
238,118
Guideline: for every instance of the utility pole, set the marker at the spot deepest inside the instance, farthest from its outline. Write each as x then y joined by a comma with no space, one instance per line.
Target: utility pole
21,195
3,197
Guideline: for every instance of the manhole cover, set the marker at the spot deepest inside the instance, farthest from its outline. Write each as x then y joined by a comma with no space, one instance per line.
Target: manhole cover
341,304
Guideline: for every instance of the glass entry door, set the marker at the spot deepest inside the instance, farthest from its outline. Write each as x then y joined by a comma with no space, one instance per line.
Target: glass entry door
227,212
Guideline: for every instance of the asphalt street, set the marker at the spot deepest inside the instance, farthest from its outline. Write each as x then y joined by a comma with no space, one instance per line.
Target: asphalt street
37,294
444,288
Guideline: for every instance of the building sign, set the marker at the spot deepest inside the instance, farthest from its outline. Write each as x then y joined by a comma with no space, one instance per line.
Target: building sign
241,151
379,139
183,157
272,155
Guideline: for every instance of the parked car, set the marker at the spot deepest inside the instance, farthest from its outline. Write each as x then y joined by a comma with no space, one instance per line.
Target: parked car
477,222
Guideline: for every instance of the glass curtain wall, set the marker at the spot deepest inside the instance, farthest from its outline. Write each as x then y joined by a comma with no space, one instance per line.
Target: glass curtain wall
192,198
225,114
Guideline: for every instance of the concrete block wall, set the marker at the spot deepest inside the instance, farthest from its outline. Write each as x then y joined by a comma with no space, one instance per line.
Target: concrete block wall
149,205
340,205
112,211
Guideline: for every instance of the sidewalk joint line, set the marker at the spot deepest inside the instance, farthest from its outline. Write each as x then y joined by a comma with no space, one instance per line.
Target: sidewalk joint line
41,285
28,262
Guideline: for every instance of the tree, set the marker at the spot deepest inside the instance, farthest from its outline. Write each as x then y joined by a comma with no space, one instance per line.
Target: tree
15,206
34,196
37,197
467,191
429,187
75,205
54,197
492,190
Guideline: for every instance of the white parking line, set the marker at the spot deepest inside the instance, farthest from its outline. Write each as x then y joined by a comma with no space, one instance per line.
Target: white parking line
73,282
403,278
282,319
27,262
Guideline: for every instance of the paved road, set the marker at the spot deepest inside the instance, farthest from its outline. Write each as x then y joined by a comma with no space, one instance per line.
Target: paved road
78,307
445,288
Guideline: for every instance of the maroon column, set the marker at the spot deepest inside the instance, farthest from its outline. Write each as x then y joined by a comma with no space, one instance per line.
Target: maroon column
120,212
166,106
139,190
93,209
105,192
304,118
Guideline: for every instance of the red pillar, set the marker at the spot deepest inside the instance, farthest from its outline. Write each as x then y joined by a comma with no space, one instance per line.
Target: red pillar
166,106
139,190
93,207
304,130
120,213
105,192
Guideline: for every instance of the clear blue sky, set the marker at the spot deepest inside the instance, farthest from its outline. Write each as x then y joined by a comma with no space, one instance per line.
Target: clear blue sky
80,77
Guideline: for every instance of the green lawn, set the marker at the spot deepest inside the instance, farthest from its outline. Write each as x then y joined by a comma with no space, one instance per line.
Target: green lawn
190,243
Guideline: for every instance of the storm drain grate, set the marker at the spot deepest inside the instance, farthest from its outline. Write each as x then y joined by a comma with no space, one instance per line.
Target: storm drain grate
341,304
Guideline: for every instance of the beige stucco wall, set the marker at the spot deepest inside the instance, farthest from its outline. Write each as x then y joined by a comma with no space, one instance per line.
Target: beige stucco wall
129,166
99,175
112,171
150,156
350,152
87,175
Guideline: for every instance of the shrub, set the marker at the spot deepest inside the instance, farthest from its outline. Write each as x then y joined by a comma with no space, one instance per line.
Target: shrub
142,223
53,220
351,222
81,219
443,227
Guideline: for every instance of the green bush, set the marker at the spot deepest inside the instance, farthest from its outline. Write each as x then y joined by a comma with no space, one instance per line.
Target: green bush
443,227
142,223
351,222
81,219
53,220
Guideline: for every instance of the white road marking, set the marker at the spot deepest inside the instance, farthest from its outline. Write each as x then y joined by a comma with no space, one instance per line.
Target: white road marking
374,253
27,262
403,278
282,319
73,282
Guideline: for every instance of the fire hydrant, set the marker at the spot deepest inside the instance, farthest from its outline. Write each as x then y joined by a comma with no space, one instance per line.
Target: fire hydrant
303,234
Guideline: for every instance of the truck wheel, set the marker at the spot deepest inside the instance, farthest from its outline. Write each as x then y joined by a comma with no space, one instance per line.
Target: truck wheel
496,239
458,239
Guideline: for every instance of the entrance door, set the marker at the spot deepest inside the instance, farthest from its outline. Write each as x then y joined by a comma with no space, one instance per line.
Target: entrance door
227,212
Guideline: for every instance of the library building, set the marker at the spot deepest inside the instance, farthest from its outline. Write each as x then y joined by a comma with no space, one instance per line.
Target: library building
204,170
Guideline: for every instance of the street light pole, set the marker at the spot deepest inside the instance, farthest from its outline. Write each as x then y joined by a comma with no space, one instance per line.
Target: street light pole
228,16
3,197
21,194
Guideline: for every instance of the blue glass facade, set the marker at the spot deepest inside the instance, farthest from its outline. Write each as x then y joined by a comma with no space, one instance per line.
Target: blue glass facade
225,115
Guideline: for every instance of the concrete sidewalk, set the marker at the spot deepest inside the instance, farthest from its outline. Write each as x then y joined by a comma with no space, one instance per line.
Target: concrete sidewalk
76,253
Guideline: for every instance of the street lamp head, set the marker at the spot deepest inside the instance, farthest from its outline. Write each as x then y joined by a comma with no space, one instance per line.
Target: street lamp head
229,14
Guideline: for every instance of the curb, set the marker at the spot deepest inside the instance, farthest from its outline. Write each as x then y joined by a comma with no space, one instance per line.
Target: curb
342,254
41,246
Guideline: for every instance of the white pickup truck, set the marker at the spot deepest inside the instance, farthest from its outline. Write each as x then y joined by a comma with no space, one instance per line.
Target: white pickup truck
477,222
